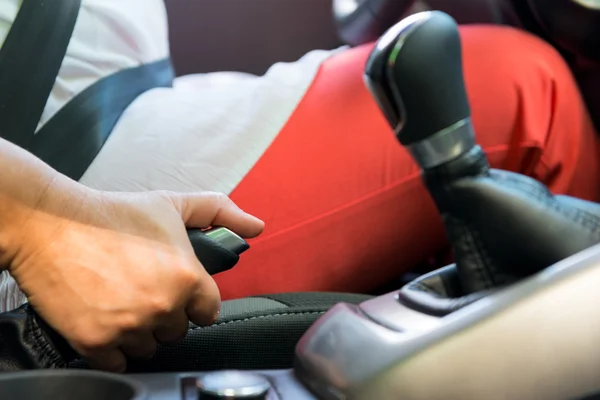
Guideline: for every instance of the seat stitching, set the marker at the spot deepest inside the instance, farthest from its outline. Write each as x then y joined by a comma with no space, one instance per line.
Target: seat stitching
258,317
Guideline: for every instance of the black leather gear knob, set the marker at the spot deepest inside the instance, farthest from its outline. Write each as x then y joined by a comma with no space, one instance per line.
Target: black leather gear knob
415,74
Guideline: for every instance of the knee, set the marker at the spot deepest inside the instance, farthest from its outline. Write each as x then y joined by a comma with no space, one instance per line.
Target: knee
515,66
517,84
526,104
512,52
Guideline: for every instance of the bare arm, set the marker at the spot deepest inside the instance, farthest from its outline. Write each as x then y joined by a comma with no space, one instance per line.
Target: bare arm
114,273
26,182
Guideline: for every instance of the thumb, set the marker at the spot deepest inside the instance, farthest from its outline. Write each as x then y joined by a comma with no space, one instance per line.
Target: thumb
203,209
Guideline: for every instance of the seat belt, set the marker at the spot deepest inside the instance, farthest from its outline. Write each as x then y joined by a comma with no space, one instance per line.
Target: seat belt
30,60
74,136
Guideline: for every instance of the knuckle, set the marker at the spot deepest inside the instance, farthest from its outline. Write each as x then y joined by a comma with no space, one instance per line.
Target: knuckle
168,197
220,199
129,322
161,306
190,276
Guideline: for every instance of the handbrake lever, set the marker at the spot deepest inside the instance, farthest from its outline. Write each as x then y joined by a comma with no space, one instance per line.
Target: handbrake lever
218,249
28,342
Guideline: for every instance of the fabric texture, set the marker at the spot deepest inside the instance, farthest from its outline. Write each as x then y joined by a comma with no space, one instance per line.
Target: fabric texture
251,333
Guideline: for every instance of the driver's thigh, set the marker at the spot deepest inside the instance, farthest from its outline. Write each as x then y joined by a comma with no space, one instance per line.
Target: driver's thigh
343,203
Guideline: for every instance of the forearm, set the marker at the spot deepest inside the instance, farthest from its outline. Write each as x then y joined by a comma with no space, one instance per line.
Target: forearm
25,183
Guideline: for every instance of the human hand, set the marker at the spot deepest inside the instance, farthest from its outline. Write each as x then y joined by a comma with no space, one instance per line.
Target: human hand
115,273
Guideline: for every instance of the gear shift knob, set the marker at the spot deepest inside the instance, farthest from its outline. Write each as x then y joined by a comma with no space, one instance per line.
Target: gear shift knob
502,226
415,75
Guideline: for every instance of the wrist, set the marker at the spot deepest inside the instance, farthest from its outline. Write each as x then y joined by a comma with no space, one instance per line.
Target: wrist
33,199
12,219
28,222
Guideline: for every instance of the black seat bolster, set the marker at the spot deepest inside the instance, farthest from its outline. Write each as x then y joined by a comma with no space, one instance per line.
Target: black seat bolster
251,333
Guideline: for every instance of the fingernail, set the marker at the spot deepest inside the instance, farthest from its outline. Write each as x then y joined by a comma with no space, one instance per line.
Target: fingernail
216,317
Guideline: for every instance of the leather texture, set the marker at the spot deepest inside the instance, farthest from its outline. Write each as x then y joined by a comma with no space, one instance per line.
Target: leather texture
26,342
505,226
251,333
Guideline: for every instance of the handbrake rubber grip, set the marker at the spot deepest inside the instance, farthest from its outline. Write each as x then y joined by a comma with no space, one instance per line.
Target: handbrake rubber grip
218,249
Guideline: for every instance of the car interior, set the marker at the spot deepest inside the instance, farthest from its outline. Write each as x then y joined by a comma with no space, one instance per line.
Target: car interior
513,317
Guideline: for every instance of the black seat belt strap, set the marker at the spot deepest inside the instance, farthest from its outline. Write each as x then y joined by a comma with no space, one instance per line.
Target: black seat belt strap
30,60
74,136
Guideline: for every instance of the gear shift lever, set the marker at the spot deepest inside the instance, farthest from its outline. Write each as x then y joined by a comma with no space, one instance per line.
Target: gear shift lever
502,226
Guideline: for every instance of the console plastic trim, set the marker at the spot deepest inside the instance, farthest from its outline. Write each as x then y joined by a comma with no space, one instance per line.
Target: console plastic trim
331,357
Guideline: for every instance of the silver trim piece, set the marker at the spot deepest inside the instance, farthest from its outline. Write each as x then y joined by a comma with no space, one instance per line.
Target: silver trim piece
376,75
233,385
589,4
391,36
406,28
445,145
344,8
228,239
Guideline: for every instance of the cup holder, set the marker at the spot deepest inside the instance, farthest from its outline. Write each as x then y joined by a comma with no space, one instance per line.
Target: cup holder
69,385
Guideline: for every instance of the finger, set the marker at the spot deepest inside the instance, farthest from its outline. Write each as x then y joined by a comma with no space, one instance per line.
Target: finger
174,329
204,209
111,360
139,345
204,306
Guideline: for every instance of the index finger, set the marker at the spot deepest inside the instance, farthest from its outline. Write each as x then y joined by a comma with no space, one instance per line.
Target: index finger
200,210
